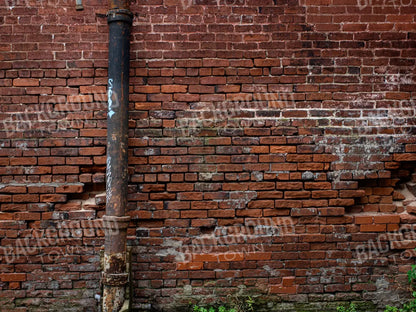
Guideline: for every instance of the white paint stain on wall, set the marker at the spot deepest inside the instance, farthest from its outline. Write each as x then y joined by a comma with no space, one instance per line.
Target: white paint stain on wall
173,249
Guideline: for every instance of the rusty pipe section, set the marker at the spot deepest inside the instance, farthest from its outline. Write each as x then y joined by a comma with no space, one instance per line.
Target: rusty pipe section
115,276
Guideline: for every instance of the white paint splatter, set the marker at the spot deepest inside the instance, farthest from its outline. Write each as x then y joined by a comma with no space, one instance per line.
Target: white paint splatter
109,179
110,100
22,146
172,250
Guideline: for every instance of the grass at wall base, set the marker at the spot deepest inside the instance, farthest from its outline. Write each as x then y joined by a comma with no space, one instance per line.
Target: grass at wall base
246,304
411,305
237,304
407,307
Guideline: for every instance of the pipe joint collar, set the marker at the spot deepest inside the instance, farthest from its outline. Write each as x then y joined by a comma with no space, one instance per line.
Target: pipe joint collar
116,223
119,15
119,279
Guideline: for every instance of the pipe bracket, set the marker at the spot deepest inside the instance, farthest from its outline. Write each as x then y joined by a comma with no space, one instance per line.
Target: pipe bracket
119,15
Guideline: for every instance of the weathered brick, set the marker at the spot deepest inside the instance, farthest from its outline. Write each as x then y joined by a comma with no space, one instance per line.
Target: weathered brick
68,188
53,198
13,277
174,88
27,216
277,289
373,227
25,82
22,198
387,219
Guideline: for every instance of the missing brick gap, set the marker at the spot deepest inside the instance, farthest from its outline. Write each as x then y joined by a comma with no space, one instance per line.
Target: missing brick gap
91,198
405,196
395,195
207,230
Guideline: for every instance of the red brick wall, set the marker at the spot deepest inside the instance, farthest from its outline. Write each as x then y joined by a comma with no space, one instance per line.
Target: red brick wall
270,146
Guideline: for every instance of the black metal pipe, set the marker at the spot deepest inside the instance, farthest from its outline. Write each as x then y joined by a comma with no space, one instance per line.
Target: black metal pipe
119,21
115,276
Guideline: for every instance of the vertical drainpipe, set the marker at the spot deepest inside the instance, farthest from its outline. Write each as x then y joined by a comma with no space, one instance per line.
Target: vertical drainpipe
115,276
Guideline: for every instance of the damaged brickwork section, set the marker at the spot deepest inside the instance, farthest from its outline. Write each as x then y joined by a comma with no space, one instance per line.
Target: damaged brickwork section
50,249
295,239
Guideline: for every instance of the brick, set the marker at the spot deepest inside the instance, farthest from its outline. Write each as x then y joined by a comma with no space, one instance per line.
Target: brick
266,62
204,205
404,244
301,212
282,149
51,160
289,185
148,105
180,187
405,157
387,219
5,198
310,166
230,256
341,202
27,216
249,213
288,281
213,80
205,257
191,214
331,211
74,188
393,227
277,289
363,219
312,238
297,194
352,193
258,256
13,189
93,89
25,82
317,185
65,169
86,151
174,88
324,194
261,186
261,204
373,227
53,198
189,266
86,98
23,161
22,198
13,277
269,194
93,132
204,223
